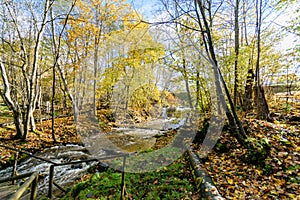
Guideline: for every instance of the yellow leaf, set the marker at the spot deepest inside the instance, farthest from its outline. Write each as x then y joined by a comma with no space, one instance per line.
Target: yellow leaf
258,171
230,181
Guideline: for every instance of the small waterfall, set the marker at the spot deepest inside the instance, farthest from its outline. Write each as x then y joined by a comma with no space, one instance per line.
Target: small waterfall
138,138
164,114
63,174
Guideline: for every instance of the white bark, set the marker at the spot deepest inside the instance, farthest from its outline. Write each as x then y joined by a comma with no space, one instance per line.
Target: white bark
23,110
33,78
6,93
10,103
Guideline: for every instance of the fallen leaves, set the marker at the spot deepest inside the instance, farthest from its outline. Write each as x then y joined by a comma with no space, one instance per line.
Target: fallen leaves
65,132
278,178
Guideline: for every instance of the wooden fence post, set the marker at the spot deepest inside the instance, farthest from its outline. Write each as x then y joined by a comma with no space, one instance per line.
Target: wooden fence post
14,171
24,186
34,188
123,179
51,175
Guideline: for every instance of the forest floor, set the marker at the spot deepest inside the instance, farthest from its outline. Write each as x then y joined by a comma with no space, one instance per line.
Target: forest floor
237,171
65,133
240,173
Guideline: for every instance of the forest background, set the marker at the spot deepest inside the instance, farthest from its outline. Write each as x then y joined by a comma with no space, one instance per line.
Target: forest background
54,51
75,56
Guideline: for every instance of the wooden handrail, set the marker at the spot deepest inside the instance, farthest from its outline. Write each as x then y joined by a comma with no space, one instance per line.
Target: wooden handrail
94,159
123,180
32,180
54,164
15,177
27,153
51,179
52,168
68,163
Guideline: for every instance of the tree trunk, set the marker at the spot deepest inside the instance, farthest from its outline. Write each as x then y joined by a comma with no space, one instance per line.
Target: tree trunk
56,52
187,87
6,96
244,24
18,124
262,108
96,61
236,50
208,42
261,103
32,121
247,99
64,80
198,94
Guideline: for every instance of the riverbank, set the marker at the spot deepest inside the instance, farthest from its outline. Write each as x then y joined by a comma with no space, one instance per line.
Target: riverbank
65,133
41,144
242,173
236,171
171,182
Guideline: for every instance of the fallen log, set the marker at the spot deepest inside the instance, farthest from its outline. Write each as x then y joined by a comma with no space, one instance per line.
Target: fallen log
204,183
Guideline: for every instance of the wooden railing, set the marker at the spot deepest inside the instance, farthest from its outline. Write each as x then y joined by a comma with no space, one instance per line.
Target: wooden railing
52,168
54,164
32,180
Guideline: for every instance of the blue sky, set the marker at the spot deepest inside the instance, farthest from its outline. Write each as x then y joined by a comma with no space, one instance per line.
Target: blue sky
145,7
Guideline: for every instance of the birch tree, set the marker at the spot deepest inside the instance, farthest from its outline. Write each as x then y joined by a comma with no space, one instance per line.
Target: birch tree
25,22
56,49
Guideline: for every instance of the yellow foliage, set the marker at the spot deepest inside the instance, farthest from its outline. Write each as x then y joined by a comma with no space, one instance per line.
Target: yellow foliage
145,97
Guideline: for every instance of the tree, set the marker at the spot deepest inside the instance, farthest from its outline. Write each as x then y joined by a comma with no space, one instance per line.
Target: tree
21,93
233,119
105,43
236,49
133,62
56,55
260,99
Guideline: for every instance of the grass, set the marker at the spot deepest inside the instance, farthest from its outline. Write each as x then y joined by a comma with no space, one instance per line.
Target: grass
5,114
171,182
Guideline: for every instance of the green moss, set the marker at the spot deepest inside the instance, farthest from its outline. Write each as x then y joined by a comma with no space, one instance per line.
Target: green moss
172,182
257,151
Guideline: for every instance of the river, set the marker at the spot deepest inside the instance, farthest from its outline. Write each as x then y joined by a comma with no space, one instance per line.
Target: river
133,139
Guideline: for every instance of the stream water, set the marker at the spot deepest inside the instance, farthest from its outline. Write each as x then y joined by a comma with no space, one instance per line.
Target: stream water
59,154
131,139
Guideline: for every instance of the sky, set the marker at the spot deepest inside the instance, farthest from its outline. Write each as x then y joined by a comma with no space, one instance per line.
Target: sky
146,7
